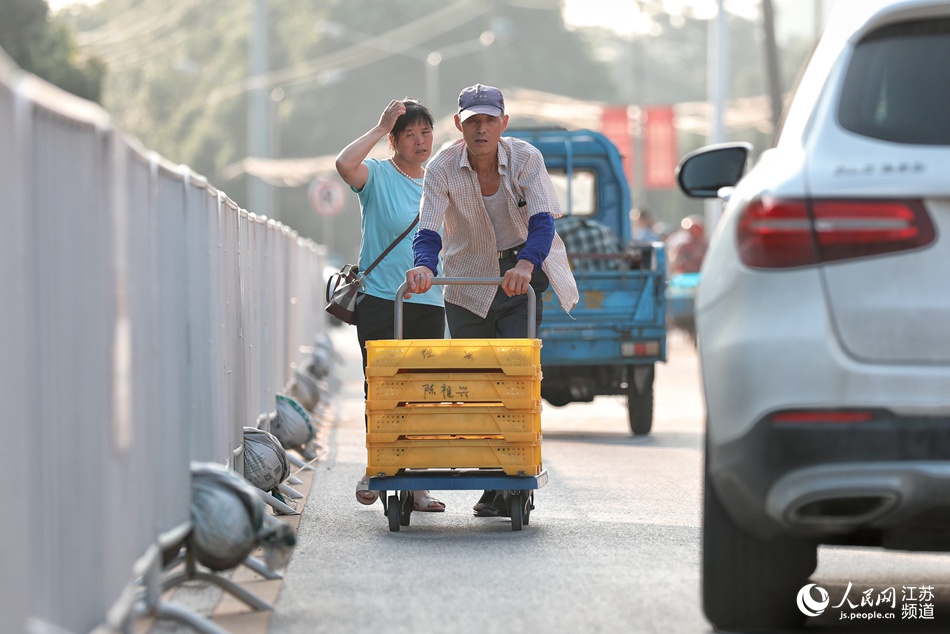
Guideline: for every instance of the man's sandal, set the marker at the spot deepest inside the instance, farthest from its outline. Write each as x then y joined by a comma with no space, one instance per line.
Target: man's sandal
485,507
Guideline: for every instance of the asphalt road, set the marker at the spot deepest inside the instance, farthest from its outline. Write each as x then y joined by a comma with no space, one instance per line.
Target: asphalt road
612,545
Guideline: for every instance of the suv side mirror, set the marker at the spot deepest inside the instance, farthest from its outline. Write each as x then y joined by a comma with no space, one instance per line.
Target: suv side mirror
701,174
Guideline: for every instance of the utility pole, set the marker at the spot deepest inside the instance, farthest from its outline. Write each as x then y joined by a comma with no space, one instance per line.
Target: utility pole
637,98
258,110
717,88
772,72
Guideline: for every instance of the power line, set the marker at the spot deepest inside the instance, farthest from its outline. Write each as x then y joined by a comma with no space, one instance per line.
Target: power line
140,19
409,36
163,33
138,51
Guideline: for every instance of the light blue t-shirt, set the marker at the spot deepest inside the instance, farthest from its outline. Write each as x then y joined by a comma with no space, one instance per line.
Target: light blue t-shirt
389,202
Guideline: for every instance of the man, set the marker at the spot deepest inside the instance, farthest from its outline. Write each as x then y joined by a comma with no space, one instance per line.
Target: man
644,226
688,246
496,204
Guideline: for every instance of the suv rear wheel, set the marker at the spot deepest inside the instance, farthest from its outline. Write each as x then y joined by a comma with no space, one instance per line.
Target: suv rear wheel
750,583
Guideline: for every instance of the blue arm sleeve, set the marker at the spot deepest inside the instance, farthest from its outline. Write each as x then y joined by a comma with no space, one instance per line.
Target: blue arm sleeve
426,247
540,237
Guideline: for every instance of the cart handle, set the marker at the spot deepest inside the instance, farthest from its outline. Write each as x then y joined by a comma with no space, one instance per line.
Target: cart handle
477,281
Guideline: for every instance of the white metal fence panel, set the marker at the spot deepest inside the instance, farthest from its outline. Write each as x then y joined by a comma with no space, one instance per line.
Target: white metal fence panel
18,367
146,320
75,308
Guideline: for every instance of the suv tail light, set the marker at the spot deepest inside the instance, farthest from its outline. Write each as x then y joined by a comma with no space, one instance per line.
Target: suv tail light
781,233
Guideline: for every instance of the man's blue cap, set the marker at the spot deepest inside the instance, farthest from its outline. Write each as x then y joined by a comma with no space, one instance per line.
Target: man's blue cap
481,99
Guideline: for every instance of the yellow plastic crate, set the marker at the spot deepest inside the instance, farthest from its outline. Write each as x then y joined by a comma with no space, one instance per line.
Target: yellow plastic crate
514,425
516,392
516,357
481,453
454,404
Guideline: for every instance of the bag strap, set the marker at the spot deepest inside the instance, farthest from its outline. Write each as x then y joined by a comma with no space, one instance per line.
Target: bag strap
390,247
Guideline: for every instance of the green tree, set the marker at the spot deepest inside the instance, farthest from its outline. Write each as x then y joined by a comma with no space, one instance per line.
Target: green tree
178,73
48,49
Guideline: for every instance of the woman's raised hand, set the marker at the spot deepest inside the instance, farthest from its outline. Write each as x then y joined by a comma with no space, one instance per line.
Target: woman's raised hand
393,111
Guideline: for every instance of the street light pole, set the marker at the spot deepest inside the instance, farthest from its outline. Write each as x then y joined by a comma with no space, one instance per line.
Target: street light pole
772,67
717,88
435,58
431,58
432,81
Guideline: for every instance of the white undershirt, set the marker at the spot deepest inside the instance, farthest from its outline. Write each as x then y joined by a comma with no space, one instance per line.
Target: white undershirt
506,234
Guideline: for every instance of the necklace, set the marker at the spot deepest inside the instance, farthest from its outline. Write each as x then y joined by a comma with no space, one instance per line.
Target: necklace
417,181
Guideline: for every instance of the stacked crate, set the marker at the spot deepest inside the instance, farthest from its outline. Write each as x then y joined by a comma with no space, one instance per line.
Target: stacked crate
453,404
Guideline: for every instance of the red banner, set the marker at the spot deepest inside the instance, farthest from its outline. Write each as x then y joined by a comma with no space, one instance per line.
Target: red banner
615,125
659,148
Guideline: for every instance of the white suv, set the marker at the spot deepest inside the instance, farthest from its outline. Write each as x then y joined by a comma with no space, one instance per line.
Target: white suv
823,317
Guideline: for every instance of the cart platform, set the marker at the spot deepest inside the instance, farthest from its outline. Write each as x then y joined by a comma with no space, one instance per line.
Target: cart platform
456,480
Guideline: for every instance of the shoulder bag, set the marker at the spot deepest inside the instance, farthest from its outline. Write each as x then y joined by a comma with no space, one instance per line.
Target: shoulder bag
343,286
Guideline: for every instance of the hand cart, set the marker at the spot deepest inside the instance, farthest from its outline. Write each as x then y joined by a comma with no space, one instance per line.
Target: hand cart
454,414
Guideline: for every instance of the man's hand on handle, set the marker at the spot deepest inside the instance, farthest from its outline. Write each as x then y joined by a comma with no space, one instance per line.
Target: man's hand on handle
518,279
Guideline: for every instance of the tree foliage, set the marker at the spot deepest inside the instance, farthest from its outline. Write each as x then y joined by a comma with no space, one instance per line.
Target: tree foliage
48,49
178,73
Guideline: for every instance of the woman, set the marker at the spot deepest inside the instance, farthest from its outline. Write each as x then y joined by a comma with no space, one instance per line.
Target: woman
389,192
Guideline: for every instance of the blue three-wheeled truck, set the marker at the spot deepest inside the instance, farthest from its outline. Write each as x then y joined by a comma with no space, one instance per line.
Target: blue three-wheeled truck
616,334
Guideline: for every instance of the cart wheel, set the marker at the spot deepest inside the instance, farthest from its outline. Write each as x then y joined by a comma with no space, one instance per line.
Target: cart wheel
406,508
516,509
393,513
528,507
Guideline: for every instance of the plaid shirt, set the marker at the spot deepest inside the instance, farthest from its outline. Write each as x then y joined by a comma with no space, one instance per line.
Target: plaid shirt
452,197
584,236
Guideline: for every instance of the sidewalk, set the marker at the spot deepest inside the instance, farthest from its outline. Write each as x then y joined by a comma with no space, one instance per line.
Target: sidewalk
223,609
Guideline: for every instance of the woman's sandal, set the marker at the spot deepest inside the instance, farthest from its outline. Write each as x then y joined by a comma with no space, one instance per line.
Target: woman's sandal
422,501
367,497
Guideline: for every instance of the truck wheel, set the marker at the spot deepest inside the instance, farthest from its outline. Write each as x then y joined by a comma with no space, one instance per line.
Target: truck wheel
558,397
640,399
750,584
